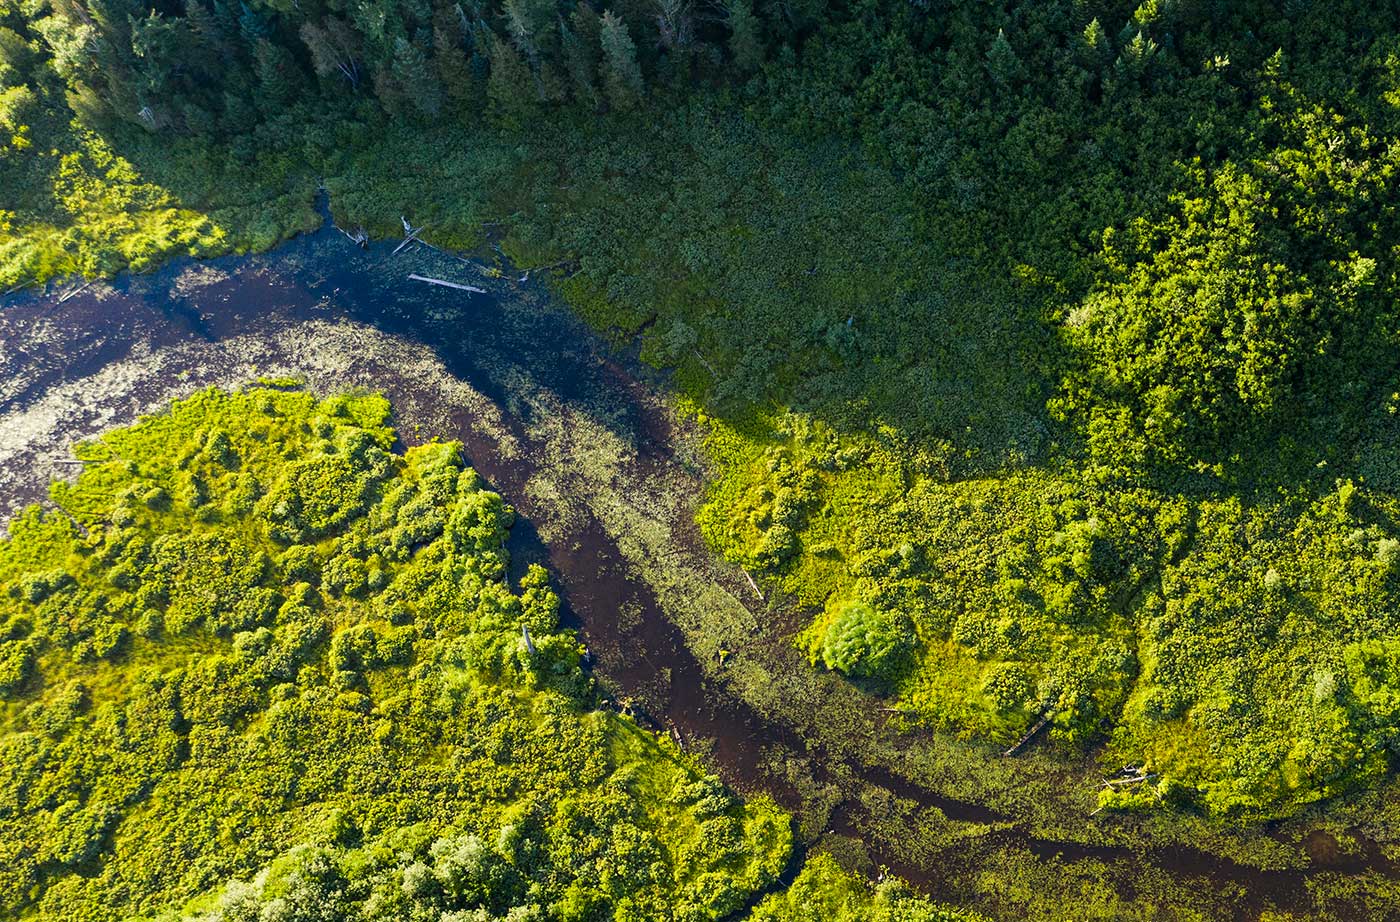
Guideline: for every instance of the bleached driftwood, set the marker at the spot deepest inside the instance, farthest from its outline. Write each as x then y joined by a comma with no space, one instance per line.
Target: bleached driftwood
754,586
1127,775
359,238
74,291
410,235
423,278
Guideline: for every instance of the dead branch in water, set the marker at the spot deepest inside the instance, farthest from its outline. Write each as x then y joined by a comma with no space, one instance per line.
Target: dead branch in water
410,235
74,291
756,591
562,262
423,278
1030,734
360,238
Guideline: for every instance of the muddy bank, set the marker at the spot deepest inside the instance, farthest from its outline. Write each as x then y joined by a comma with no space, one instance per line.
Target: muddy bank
579,441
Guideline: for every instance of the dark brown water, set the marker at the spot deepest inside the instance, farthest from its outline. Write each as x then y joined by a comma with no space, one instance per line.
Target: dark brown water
493,370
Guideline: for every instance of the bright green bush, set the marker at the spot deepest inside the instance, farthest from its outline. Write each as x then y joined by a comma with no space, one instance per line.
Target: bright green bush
862,642
345,727
823,892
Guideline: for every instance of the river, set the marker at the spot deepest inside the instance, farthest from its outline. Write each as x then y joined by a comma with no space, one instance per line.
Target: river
578,436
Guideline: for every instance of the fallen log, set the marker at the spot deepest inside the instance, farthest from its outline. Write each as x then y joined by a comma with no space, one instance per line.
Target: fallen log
359,237
423,278
1030,734
562,262
756,591
410,235
75,291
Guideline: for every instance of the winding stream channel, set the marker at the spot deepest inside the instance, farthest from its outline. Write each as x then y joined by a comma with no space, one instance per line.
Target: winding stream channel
581,440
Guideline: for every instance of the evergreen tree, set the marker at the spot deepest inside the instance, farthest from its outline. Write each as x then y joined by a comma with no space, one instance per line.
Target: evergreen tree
416,77
252,26
212,39
1136,56
198,120
622,77
550,85
226,16
1096,50
450,58
527,24
15,58
1002,62
745,37
277,72
240,116
334,48
511,87
581,61
158,44
389,93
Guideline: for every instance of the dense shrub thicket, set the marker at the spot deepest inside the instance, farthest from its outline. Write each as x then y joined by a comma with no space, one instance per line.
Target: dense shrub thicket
257,666
823,892
1048,347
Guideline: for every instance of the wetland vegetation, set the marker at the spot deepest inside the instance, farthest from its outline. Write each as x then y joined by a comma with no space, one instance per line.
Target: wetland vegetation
259,666
1043,356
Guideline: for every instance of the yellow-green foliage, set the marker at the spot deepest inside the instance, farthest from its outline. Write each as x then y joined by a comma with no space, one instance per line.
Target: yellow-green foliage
1052,286
1240,653
823,892
105,218
254,662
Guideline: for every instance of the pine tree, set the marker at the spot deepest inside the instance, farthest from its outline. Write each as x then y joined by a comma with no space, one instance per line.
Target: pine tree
511,87
334,50
527,24
450,58
210,34
416,77
389,93
1002,62
1097,51
745,37
622,77
198,120
239,117
252,27
277,72
15,58
226,15
1133,61
581,61
157,42
550,85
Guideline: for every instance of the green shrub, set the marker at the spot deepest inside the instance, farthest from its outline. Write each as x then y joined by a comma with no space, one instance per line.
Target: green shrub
862,642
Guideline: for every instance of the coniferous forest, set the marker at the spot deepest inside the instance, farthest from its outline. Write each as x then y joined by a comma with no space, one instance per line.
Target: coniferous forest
1038,368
